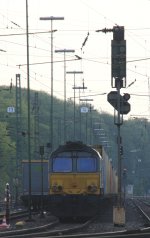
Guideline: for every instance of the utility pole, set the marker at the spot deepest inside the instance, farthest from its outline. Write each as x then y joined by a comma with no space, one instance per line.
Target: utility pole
29,125
36,125
120,104
42,190
7,191
86,112
19,139
74,113
79,88
91,123
51,18
65,51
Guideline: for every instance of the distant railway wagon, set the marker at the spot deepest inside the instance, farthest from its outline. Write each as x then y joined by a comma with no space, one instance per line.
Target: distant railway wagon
39,182
79,178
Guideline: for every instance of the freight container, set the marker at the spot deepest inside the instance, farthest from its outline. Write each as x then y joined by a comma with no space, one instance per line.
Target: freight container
37,166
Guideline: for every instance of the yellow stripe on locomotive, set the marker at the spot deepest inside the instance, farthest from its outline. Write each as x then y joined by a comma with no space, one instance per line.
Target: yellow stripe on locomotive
75,183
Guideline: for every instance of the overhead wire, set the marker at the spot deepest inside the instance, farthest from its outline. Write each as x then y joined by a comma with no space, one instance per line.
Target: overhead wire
94,61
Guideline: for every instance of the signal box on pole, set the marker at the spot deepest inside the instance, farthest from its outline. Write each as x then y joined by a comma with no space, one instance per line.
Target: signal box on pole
113,97
118,57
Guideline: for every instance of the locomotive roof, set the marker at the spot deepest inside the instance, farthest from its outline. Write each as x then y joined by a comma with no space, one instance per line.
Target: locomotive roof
72,146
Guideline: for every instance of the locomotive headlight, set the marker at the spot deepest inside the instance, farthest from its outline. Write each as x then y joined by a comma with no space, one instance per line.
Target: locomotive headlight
89,187
60,188
54,188
57,188
92,188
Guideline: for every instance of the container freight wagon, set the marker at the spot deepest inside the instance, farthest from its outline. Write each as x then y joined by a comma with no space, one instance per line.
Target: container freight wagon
37,187
109,178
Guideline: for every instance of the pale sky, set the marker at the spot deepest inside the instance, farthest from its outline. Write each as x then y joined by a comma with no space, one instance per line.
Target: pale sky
81,17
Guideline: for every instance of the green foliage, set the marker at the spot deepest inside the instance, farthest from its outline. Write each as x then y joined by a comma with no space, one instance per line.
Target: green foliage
91,128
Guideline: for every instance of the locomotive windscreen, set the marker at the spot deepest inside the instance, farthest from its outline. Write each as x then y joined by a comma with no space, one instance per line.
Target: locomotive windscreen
75,161
86,164
62,164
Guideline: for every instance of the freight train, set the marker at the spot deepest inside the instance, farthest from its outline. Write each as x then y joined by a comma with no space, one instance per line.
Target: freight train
80,177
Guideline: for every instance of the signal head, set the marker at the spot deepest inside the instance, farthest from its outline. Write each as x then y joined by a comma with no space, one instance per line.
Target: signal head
126,96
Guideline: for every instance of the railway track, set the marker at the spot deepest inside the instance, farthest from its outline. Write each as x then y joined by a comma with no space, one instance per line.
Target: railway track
88,228
14,215
144,209
54,228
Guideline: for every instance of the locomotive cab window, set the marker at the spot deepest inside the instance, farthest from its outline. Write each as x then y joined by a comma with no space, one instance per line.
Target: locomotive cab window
62,164
86,164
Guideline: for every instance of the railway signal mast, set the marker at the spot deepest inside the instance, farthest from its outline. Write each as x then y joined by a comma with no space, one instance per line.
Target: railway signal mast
120,104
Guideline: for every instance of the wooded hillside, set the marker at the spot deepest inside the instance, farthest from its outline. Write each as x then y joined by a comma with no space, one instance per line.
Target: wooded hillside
91,128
